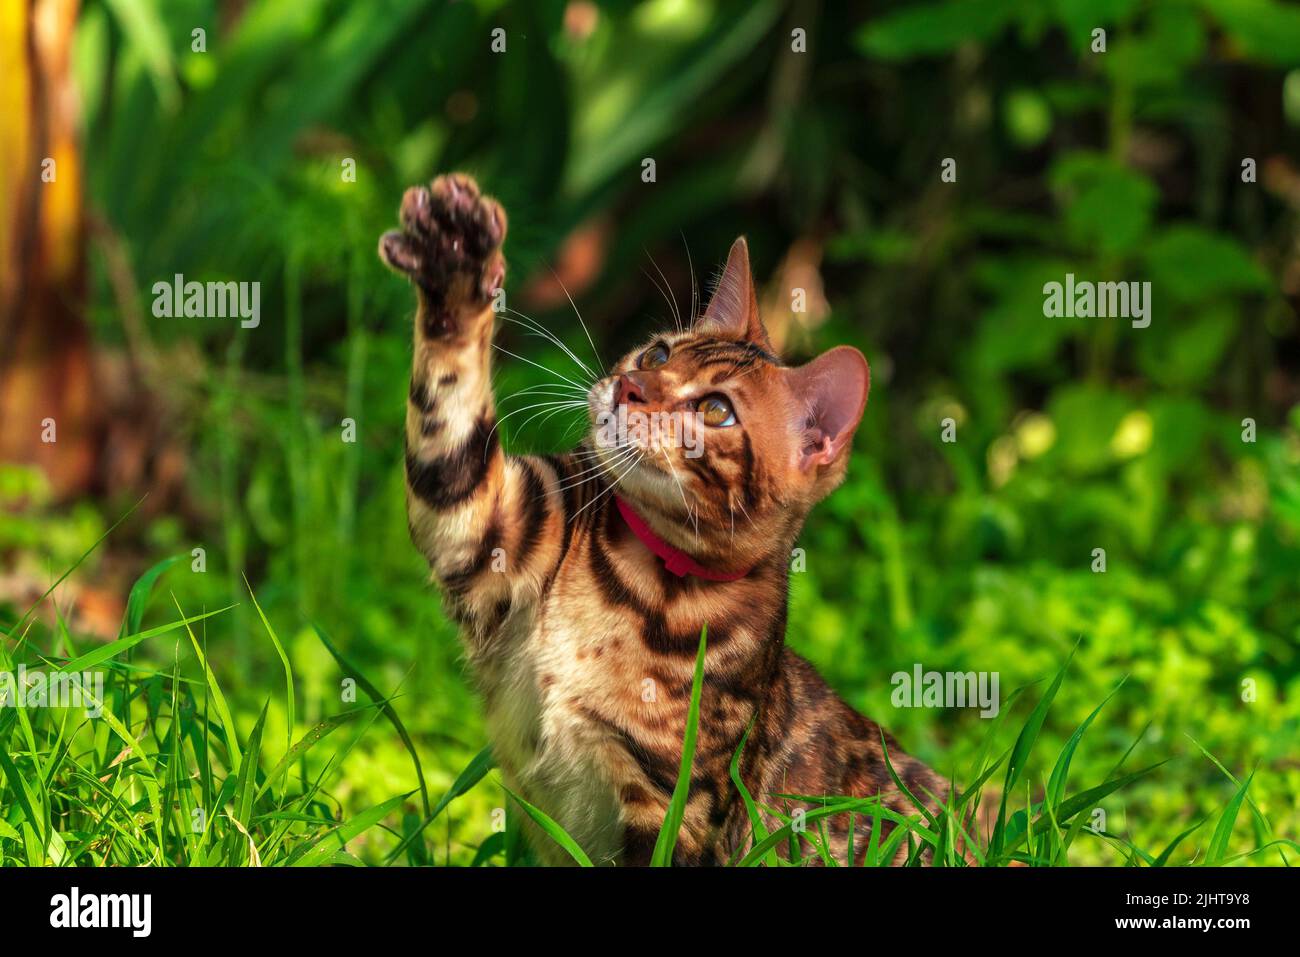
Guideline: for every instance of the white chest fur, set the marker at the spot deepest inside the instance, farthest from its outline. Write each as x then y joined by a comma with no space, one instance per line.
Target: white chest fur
547,748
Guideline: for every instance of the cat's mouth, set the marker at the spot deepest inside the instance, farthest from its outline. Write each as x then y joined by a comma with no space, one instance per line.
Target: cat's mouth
628,451
622,431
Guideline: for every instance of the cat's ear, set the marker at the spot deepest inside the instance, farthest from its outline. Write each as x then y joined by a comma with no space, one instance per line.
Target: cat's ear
833,392
732,313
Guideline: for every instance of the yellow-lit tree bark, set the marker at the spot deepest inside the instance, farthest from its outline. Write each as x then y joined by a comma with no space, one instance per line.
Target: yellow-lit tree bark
45,357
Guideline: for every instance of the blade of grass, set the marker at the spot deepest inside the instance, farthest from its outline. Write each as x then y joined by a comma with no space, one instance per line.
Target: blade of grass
552,829
898,783
873,840
308,741
84,555
321,849
138,599
783,833
104,652
490,848
26,802
1083,801
757,830
662,856
1163,857
284,661
385,708
1021,750
1259,815
473,772
246,792
1061,772
1223,829
218,699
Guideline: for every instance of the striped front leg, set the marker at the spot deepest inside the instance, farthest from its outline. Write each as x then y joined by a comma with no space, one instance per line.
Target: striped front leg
479,517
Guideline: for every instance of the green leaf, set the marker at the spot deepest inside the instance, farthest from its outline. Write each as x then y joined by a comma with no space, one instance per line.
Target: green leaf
1223,829
1083,801
757,830
1163,857
903,824
1086,418
308,741
1081,17
19,786
246,792
667,839
1265,29
1020,751
147,33
1172,39
494,844
898,783
1179,427
1186,353
1061,771
322,849
385,708
140,591
872,858
1108,207
1192,264
978,783
284,661
218,699
469,776
929,29
552,830
111,650
1012,332
613,131
1260,819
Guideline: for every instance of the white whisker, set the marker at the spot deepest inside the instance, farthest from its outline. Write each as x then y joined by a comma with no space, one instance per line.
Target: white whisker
695,289
528,322
672,303
532,391
536,365
562,403
599,361
744,512
690,515
548,409
602,466
609,490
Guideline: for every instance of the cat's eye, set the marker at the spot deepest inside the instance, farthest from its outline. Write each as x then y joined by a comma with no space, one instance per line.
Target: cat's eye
653,357
716,411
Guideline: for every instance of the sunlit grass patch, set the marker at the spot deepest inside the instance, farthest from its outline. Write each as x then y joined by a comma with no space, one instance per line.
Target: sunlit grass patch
163,776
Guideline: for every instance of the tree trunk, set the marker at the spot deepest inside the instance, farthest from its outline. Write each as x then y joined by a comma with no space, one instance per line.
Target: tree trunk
48,413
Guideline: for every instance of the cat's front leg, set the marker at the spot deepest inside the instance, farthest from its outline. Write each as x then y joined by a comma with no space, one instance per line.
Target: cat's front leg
482,519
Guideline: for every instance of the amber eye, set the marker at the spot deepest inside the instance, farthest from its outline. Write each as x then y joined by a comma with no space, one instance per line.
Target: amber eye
653,357
716,410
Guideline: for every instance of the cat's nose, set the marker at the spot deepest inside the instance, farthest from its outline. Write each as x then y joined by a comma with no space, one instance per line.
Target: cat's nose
629,390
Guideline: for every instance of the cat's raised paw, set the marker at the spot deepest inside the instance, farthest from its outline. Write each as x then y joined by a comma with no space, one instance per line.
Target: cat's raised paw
450,246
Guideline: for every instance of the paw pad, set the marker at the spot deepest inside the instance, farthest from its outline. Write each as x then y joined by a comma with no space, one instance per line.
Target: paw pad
450,240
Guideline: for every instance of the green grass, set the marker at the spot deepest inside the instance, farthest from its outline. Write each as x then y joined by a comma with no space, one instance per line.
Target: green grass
166,779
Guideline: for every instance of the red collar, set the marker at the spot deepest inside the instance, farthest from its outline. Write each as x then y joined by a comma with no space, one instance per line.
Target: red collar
674,559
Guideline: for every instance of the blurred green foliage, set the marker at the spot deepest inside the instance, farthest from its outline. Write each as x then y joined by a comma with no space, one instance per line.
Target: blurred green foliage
1072,434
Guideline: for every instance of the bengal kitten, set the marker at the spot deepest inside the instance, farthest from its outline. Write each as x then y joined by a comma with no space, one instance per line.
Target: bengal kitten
582,609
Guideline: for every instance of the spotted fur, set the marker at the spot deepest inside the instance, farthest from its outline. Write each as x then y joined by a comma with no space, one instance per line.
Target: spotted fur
580,640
